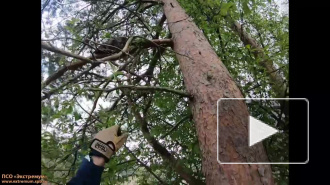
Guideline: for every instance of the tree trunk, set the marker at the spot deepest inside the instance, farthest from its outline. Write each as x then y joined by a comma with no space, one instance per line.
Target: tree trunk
207,80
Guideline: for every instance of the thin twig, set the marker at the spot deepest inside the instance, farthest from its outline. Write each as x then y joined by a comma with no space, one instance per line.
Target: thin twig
51,92
176,126
88,112
45,5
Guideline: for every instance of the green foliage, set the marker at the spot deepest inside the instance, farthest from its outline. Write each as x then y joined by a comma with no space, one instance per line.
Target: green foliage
107,36
246,8
225,8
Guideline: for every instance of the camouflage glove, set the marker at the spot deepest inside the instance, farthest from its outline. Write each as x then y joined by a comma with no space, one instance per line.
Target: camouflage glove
107,142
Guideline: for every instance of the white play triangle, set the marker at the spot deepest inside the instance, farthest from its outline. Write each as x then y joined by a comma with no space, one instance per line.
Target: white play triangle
259,131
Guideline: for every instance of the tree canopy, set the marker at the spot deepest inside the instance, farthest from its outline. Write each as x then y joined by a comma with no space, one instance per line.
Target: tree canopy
140,86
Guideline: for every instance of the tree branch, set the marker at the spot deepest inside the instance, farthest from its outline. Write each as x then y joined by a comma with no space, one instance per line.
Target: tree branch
157,43
54,49
147,88
176,126
160,25
176,164
88,112
144,165
51,92
45,5
278,82
83,60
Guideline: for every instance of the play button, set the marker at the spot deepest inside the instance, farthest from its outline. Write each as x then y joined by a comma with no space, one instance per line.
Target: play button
259,131
260,134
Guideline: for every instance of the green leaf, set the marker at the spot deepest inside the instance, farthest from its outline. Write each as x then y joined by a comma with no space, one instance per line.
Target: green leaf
56,116
111,121
154,132
45,110
117,73
76,115
107,35
69,110
73,21
61,61
196,149
175,135
225,7
65,130
246,8
71,127
56,103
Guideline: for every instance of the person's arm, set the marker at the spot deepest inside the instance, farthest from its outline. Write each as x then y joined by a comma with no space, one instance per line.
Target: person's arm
90,172
103,146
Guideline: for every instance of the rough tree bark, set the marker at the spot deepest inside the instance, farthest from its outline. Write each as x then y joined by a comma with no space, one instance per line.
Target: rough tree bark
207,80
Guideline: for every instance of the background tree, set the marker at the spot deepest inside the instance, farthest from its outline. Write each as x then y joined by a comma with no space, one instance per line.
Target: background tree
141,86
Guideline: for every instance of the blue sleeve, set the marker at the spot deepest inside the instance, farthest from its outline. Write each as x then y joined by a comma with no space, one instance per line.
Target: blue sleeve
88,174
